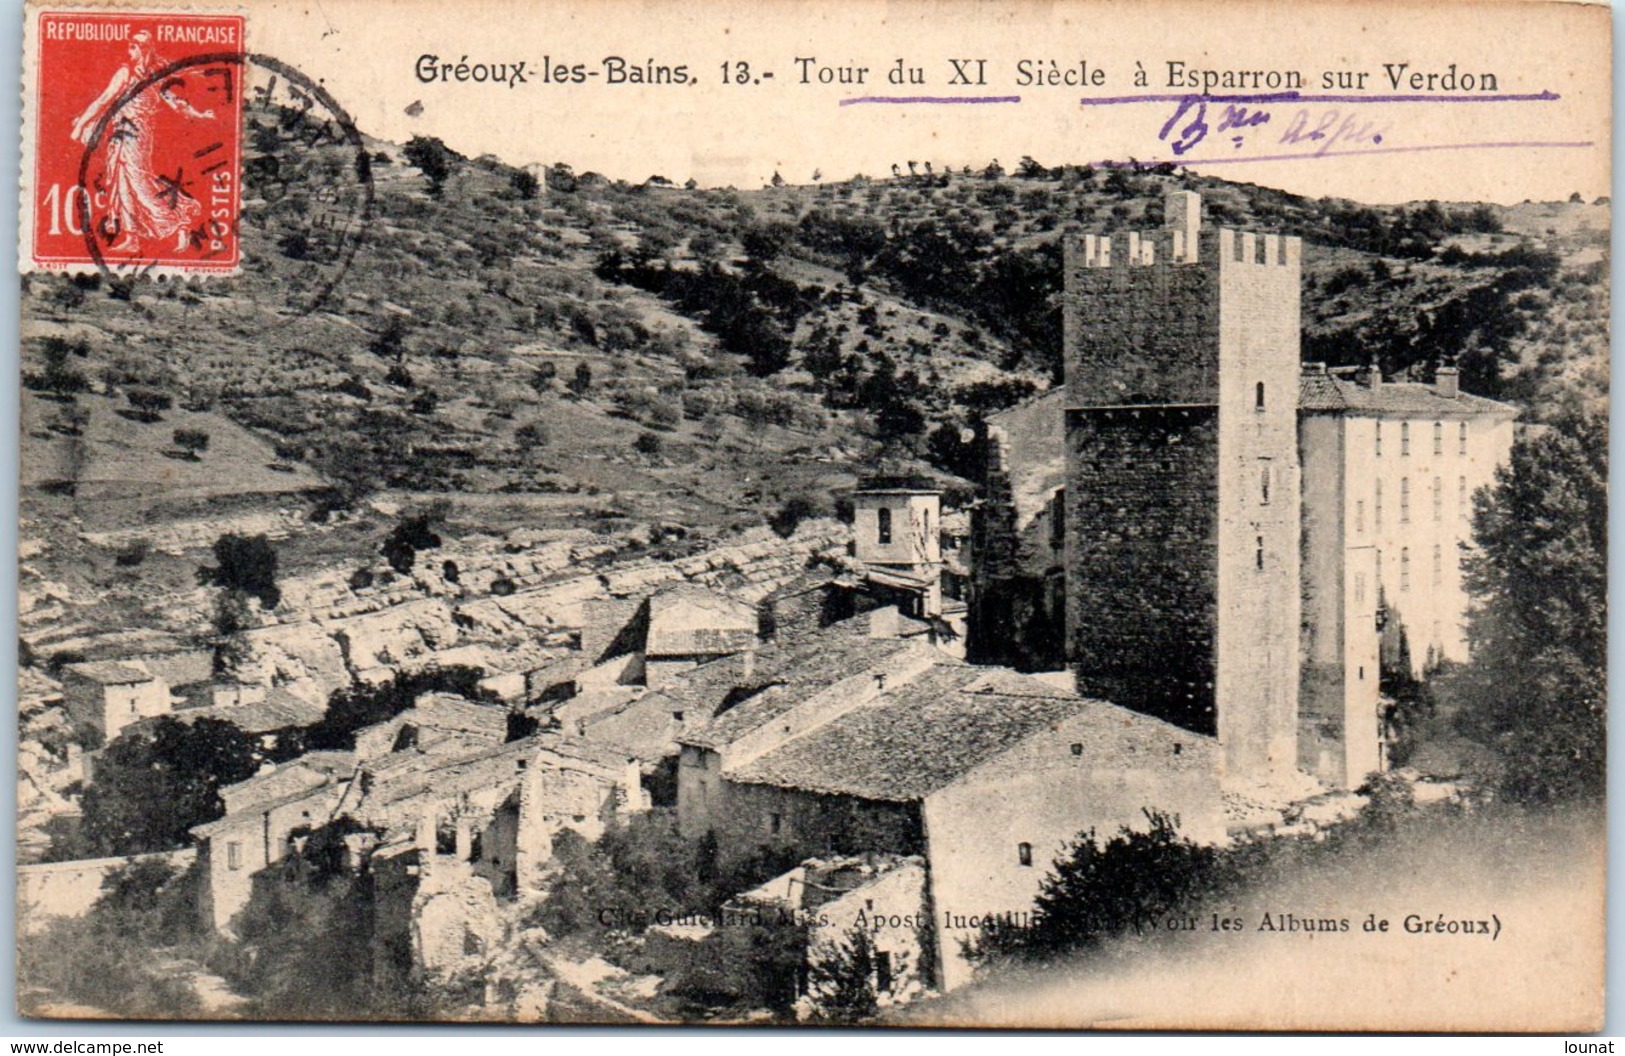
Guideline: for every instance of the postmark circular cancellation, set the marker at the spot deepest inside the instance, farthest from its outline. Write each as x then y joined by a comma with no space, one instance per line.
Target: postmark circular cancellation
160,141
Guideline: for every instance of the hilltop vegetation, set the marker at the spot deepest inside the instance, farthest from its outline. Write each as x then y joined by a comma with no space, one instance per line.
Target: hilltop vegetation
590,345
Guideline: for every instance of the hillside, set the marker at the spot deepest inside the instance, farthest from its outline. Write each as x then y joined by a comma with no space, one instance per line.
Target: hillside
598,353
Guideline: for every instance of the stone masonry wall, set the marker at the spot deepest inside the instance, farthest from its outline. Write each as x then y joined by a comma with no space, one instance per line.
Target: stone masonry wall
1141,531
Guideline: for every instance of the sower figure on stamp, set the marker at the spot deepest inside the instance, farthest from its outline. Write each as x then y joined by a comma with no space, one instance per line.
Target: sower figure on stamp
139,203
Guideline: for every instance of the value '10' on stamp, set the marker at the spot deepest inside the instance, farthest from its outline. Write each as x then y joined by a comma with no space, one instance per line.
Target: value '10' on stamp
136,142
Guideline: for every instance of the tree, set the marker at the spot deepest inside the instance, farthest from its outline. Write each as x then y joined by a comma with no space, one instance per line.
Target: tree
765,243
413,533
192,441
841,980
531,436
153,784
1028,169
246,564
1102,888
648,444
581,381
365,704
789,516
390,342
59,377
432,158
149,403
541,379
524,184
1536,686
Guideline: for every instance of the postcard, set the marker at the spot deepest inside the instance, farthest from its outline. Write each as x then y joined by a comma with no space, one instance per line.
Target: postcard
1031,515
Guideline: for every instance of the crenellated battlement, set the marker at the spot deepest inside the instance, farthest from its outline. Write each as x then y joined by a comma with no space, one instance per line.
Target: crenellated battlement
1214,246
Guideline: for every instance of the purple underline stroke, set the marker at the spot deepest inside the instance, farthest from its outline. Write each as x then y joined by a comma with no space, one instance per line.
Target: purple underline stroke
1311,155
1299,97
931,99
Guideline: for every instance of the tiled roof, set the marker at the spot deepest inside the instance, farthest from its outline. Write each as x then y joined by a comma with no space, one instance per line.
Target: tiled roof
291,779
1324,393
783,675
250,814
444,711
186,668
109,673
280,710
438,776
933,730
687,619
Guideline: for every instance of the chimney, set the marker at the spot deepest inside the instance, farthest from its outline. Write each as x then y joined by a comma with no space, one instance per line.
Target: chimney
1370,375
1182,214
747,665
1447,382
1314,370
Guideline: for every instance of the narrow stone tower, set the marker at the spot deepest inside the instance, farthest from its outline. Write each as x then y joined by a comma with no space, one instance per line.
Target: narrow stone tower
1181,352
897,527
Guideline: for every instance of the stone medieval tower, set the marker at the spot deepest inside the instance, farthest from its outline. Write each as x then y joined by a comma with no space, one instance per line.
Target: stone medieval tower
1182,493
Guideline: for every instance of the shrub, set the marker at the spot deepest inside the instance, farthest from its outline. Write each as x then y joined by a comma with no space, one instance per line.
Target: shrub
1100,889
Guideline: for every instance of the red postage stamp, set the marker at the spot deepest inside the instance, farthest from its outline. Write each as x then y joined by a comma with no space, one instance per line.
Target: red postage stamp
136,142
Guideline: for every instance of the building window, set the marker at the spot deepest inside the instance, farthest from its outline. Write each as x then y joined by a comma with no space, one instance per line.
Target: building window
1264,486
1258,554
1438,564
775,823
1258,397
1438,438
883,526
1057,524
1024,853
883,971
1438,499
1461,438
1404,500
234,855
1077,749
1461,497
1379,504
1405,568
1379,439
1359,516
1362,672
1404,439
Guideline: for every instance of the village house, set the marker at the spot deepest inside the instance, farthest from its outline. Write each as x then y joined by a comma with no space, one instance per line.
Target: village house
276,717
880,896
819,909
897,562
985,773
261,816
104,696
